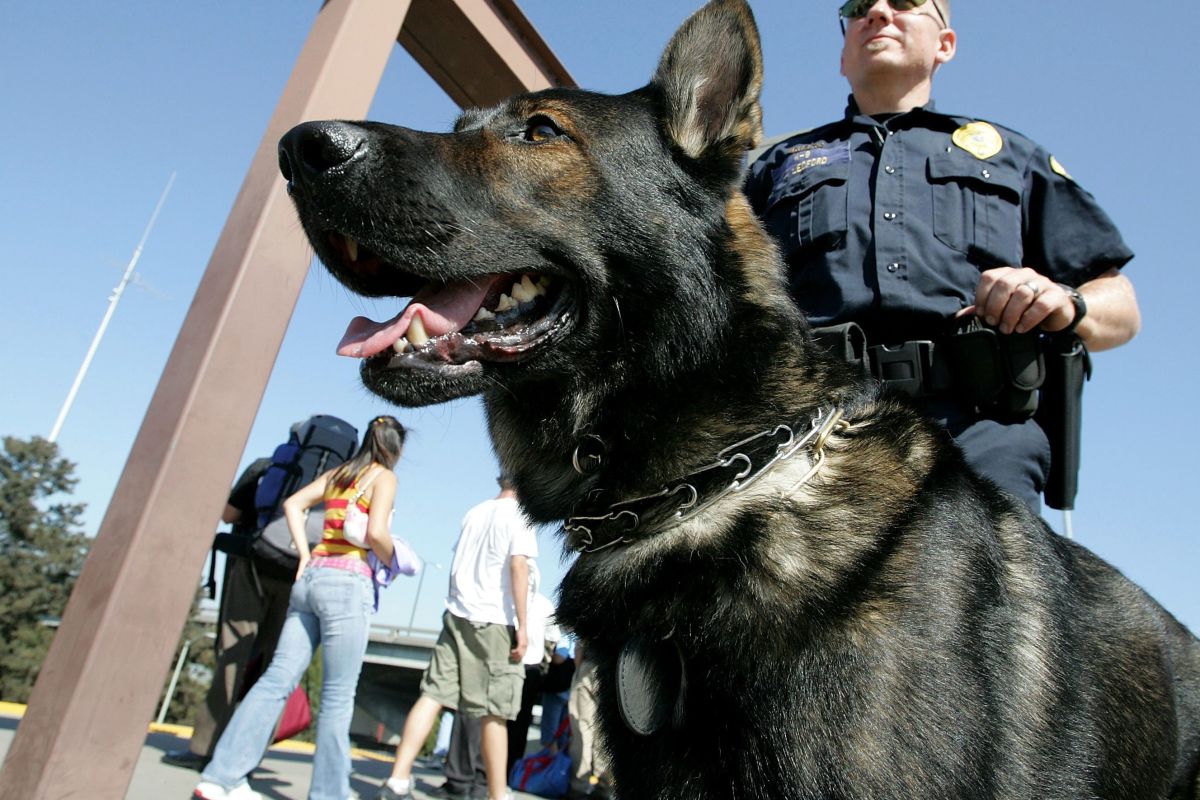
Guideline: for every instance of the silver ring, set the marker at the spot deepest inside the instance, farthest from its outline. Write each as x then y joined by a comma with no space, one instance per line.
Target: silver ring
1033,287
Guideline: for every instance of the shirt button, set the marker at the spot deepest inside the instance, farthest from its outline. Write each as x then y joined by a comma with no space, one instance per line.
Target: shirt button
890,170
893,267
889,215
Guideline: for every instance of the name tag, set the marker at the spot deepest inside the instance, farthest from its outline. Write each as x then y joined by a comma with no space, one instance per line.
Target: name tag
802,157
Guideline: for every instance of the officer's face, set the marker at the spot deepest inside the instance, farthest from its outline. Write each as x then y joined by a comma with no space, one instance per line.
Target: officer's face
886,44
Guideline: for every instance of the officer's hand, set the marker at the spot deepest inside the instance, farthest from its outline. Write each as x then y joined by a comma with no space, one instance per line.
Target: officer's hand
1019,299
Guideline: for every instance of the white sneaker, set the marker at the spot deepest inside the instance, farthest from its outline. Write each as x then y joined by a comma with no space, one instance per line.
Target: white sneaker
206,790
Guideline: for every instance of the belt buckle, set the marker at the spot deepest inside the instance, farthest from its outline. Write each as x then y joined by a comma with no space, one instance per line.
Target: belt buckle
903,366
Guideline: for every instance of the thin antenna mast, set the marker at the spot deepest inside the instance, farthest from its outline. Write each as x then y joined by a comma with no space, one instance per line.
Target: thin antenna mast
113,299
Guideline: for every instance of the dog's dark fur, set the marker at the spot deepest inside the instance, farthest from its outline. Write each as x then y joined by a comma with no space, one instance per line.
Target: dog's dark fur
894,628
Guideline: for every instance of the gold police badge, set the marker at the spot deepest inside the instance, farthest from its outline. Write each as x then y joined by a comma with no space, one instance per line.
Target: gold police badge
979,139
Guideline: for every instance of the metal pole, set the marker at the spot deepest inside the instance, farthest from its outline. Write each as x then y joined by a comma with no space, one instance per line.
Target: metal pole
162,711
1068,528
417,596
420,580
113,299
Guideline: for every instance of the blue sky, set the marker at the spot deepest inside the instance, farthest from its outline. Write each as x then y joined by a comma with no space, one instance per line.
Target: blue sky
102,102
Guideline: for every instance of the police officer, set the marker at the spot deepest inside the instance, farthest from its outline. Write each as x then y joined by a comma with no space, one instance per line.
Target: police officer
903,219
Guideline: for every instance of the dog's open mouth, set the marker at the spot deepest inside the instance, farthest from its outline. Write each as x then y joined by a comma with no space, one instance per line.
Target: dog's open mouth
494,317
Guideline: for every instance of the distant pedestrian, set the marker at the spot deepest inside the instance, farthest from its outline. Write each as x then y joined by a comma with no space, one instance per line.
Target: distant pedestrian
249,618
331,605
589,763
476,665
543,634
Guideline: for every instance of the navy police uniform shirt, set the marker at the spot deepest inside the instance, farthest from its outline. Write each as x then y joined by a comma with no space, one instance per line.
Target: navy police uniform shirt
889,224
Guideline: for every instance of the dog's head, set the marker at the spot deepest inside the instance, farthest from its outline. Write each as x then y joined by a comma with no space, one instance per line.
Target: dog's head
556,229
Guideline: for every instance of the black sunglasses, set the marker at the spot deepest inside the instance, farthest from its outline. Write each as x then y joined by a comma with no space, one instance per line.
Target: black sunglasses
857,9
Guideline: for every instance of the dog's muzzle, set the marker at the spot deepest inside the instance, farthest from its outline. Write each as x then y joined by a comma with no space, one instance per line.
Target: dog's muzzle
313,150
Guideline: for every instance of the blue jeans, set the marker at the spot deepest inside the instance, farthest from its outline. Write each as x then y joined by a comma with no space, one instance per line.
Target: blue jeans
554,708
330,607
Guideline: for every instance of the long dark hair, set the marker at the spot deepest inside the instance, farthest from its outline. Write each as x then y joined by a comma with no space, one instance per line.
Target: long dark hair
381,444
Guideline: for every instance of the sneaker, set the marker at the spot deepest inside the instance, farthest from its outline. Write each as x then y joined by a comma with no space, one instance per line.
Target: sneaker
387,793
452,791
206,790
186,759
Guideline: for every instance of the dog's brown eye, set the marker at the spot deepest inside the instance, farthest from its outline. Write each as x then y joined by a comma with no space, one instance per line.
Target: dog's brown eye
541,129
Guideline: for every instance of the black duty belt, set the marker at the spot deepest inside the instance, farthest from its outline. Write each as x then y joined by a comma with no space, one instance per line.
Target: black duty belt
918,368
997,375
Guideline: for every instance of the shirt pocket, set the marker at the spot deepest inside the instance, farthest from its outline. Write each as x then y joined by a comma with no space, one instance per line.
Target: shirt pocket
809,209
977,208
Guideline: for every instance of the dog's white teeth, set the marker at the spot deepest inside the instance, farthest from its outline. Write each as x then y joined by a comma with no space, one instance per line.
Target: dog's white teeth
483,315
416,331
506,303
402,345
523,291
351,249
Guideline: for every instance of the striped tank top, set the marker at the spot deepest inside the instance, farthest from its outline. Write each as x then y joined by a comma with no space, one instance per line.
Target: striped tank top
336,501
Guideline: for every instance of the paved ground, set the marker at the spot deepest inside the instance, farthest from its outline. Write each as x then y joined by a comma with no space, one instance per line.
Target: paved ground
283,775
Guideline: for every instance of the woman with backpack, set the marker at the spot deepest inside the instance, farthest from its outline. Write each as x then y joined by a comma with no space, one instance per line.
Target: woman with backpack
331,603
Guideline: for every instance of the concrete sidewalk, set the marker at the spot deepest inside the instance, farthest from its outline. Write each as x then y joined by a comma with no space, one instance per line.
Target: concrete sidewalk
283,774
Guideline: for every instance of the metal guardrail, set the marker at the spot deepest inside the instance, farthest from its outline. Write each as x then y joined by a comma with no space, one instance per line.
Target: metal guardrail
399,646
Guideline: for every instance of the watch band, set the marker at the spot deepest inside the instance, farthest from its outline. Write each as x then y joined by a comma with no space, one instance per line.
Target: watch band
1080,307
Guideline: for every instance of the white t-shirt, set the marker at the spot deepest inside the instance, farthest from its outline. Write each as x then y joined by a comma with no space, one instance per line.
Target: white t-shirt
480,577
539,614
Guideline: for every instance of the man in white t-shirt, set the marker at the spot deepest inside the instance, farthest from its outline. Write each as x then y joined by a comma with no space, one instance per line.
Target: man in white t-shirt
476,667
542,633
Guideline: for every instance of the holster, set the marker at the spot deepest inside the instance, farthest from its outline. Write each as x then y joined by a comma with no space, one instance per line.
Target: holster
847,341
1061,416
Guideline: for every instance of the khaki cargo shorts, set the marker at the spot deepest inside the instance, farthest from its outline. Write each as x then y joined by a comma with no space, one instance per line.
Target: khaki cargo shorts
470,670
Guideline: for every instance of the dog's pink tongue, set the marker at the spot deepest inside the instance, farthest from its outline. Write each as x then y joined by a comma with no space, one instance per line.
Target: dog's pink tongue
442,309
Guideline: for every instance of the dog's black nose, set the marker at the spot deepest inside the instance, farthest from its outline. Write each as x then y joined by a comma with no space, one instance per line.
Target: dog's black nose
312,149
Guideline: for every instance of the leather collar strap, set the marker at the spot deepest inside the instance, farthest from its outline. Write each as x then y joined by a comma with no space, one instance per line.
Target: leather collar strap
596,525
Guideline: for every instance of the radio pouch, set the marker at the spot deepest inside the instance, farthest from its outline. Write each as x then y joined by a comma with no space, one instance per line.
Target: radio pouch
999,375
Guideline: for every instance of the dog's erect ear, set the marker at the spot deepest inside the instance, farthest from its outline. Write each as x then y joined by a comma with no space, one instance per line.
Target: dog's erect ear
710,77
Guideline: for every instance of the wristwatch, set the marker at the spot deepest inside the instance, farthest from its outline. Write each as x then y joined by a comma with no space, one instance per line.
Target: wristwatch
1080,307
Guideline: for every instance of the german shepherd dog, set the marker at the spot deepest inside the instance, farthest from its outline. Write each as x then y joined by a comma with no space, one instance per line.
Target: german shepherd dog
793,585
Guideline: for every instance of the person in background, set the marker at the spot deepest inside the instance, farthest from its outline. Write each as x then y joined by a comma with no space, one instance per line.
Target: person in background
331,604
543,634
441,745
909,222
476,667
250,616
556,692
589,763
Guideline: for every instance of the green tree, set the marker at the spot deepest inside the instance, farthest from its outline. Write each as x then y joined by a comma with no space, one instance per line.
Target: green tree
41,552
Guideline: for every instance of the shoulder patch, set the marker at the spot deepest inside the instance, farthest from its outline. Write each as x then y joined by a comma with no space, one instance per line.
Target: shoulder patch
979,139
1059,168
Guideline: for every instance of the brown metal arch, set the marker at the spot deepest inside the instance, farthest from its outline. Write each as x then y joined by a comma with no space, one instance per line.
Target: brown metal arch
86,720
